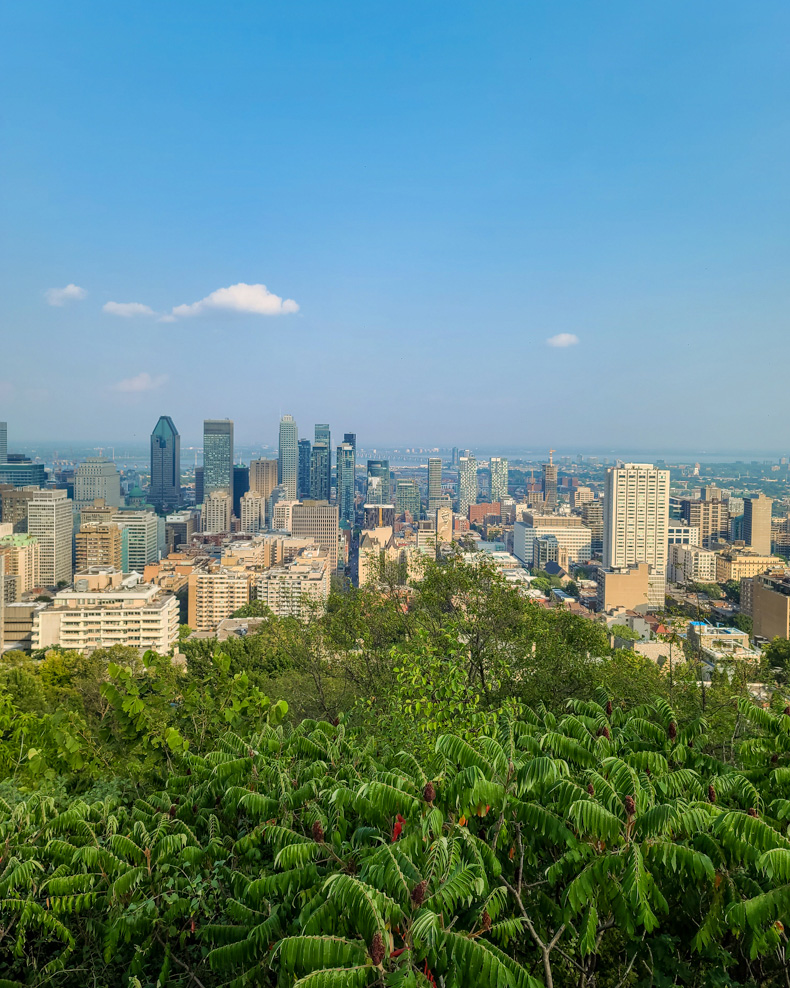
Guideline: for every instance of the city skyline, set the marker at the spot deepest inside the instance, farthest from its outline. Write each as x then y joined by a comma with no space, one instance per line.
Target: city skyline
616,226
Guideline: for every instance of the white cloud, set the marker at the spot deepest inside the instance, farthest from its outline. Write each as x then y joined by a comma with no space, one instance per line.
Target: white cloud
142,382
60,296
128,309
563,340
255,299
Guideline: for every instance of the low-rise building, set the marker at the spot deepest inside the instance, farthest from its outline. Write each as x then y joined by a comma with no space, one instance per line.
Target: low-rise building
717,645
770,605
627,588
734,564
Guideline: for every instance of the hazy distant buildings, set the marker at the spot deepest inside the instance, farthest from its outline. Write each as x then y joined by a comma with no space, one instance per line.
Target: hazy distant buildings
499,478
636,518
165,493
467,483
288,473
346,465
50,519
217,457
757,523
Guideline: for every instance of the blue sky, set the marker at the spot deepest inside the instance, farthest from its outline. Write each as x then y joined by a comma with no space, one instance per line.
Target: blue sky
439,187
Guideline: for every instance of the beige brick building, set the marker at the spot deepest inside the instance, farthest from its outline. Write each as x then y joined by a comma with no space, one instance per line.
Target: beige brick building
99,545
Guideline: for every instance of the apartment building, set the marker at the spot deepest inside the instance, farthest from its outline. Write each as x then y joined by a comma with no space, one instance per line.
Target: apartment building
691,564
636,519
298,588
573,537
21,554
734,564
215,595
124,612
50,520
318,520
102,545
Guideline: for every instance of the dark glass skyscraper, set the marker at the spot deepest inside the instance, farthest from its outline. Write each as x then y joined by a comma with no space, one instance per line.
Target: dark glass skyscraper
322,435
3,442
303,484
165,494
319,474
241,484
217,456
346,458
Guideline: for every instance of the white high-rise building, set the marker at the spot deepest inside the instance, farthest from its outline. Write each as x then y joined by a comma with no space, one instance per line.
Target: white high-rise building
434,483
636,520
499,478
253,511
50,519
467,483
97,477
143,529
288,468
216,512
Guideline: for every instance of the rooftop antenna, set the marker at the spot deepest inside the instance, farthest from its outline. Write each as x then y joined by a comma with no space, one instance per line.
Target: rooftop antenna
551,456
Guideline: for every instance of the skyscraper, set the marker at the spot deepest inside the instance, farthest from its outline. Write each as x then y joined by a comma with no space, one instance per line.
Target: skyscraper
434,483
51,521
304,480
319,474
288,473
3,442
317,520
757,523
378,482
263,477
499,470
407,497
636,518
241,484
467,483
550,483
322,435
217,456
346,458
351,439
97,477
165,494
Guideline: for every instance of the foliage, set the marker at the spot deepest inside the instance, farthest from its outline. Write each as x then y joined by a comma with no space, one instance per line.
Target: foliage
777,655
523,858
623,631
